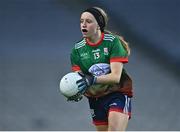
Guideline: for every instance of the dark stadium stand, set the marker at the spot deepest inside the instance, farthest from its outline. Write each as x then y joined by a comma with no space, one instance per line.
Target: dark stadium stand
155,22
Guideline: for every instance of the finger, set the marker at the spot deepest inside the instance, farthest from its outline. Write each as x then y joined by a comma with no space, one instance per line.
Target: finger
82,88
81,74
80,81
81,84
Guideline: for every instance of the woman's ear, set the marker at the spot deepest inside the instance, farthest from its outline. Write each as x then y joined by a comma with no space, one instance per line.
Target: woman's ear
98,27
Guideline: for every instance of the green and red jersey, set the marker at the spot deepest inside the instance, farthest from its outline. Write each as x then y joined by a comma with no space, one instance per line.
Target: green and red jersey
96,58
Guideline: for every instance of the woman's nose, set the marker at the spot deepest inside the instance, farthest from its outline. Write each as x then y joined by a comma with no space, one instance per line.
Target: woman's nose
84,24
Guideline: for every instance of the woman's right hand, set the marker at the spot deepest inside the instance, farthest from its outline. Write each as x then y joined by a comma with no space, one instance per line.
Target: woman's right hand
85,82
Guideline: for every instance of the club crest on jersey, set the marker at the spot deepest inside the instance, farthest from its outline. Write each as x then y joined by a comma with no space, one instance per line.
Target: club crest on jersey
106,51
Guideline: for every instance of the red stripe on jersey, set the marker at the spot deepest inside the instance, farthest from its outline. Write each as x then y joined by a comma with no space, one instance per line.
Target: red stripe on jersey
76,68
95,44
119,59
95,122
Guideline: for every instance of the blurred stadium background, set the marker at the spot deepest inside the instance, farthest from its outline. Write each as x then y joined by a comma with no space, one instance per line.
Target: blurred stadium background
36,38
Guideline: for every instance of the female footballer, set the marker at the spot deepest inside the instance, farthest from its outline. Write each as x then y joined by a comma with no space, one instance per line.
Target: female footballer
99,57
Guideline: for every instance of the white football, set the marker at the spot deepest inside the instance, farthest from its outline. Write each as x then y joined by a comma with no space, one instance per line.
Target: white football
68,86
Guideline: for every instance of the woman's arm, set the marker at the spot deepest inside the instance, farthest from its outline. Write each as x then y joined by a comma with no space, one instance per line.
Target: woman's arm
111,78
114,76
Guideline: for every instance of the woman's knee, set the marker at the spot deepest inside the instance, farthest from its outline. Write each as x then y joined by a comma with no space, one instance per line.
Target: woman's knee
102,128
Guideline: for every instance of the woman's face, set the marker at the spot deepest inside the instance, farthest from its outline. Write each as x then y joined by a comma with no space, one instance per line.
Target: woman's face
88,24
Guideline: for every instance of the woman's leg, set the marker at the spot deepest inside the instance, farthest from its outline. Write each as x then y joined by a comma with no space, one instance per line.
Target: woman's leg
119,112
111,112
102,128
117,121
98,113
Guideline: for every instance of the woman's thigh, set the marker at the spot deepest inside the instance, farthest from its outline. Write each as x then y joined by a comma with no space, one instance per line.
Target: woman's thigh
117,121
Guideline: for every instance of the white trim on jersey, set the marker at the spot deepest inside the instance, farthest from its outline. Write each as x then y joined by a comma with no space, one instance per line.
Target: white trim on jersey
126,106
109,37
80,44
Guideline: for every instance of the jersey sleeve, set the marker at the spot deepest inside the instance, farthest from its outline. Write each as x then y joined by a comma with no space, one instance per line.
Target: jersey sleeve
74,60
118,52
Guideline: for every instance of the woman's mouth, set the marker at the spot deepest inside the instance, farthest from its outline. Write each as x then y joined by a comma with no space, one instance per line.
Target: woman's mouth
84,30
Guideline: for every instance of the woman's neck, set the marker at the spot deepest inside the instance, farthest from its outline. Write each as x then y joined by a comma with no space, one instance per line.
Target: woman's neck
95,38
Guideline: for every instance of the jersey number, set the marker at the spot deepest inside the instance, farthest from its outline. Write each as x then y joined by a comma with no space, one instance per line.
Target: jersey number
96,55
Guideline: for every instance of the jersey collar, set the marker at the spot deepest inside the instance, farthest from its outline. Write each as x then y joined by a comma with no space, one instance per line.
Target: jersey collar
96,44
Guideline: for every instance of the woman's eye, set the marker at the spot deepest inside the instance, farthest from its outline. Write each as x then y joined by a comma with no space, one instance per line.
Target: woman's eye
89,21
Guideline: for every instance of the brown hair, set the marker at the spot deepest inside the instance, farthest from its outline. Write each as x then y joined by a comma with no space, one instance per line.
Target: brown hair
121,38
125,45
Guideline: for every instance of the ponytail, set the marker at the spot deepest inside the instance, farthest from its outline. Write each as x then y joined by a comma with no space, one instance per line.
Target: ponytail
125,45
123,42
105,18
